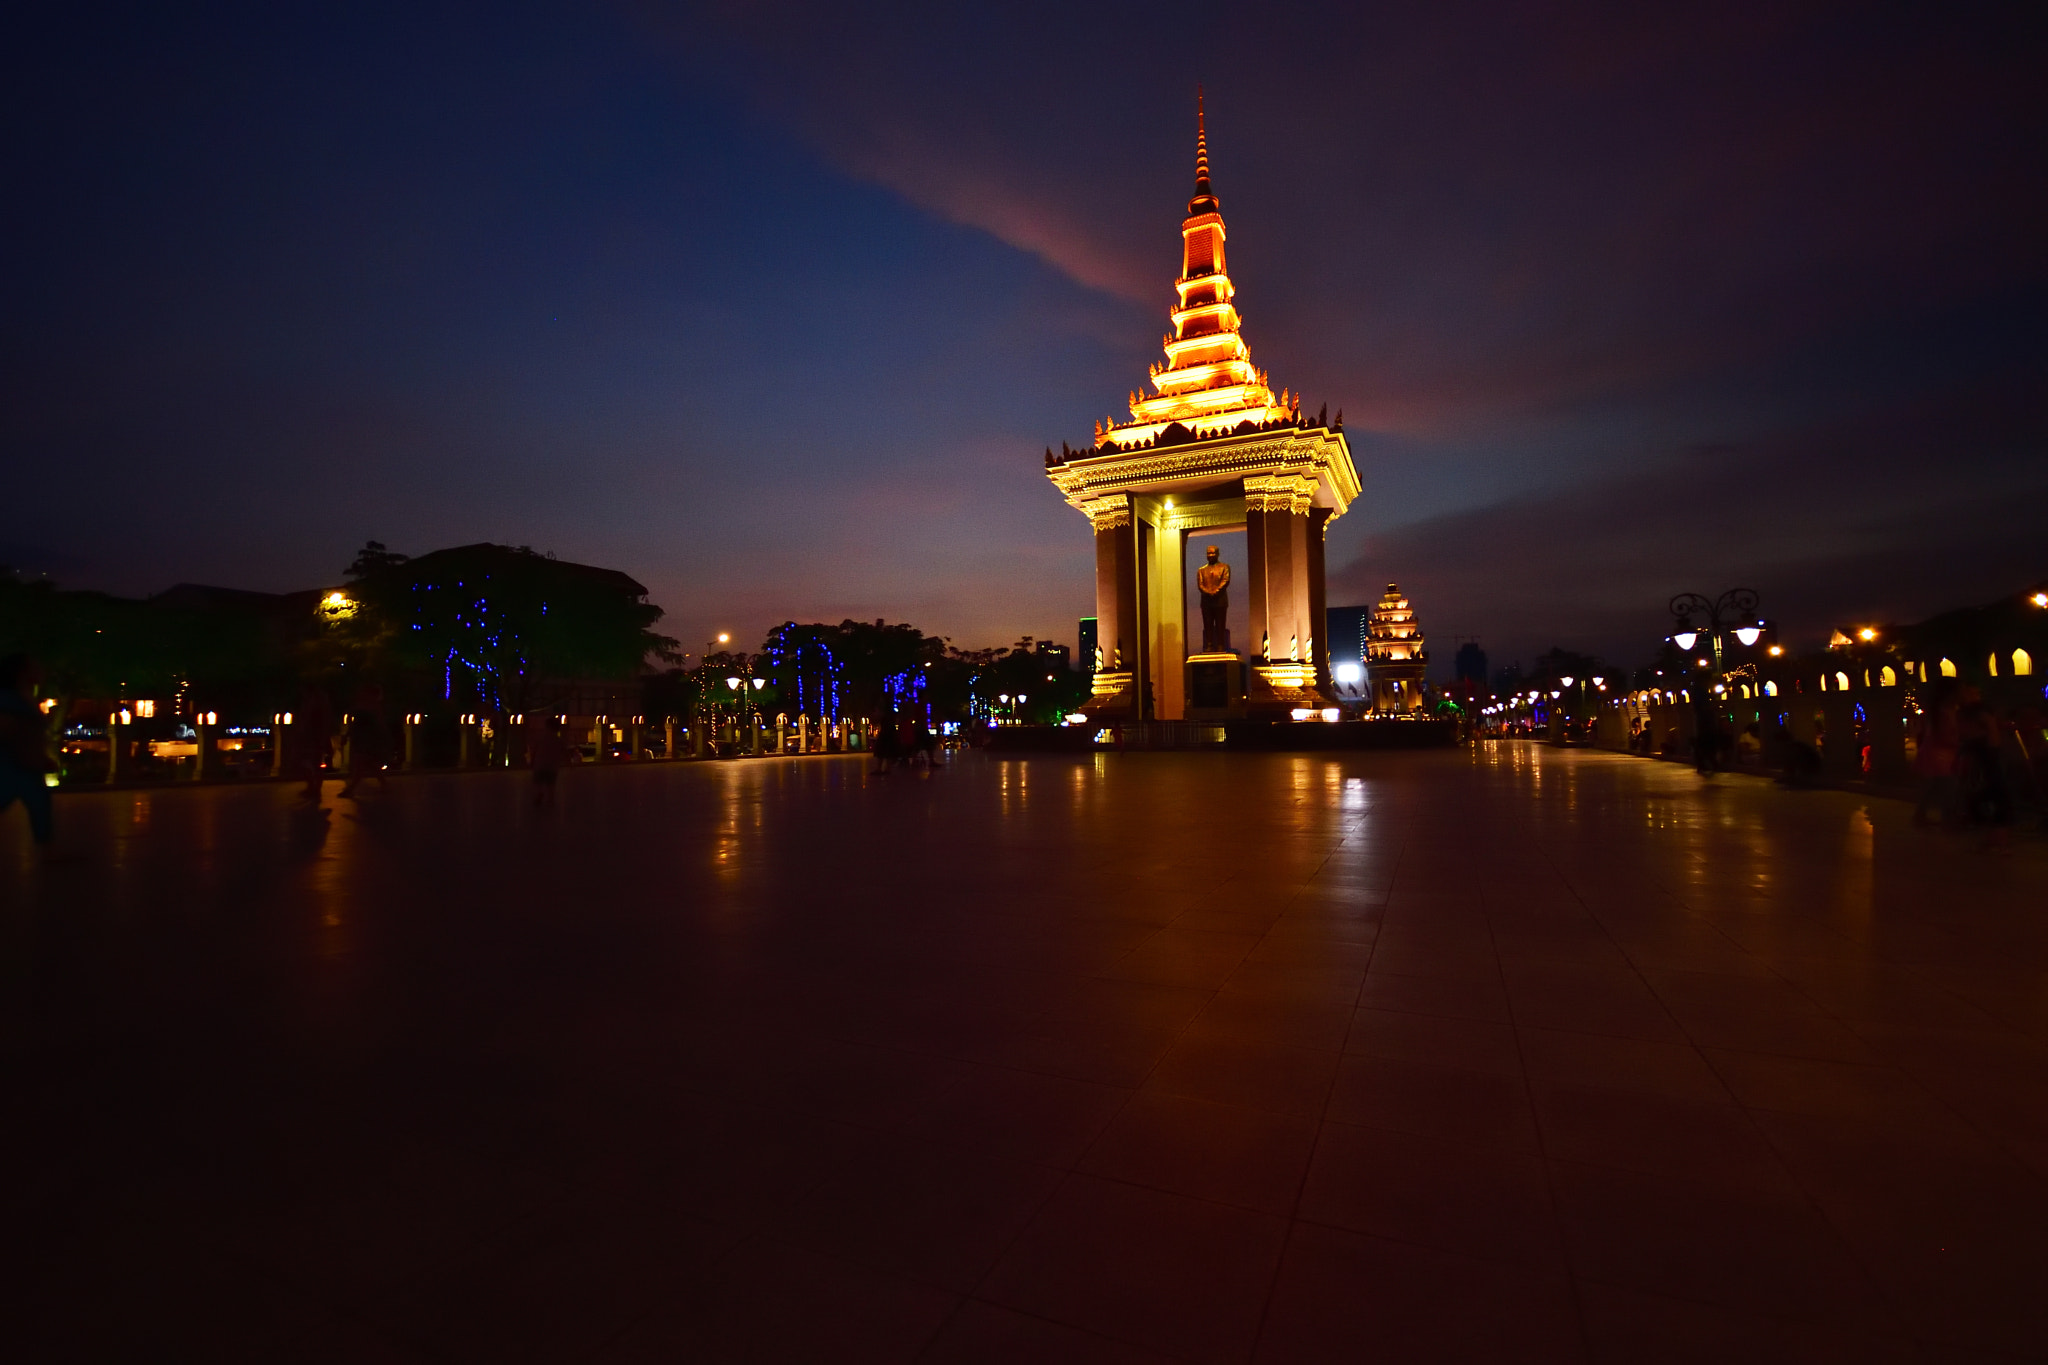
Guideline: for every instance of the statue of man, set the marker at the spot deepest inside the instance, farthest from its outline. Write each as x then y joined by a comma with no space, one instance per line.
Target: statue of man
1213,578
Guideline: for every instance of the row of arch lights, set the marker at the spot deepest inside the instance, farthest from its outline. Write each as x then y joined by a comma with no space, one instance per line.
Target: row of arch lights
1536,694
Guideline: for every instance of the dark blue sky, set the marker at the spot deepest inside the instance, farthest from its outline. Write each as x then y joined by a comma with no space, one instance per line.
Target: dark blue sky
775,306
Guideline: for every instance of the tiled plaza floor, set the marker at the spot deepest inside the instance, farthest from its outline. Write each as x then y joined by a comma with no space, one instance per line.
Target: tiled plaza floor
1509,1055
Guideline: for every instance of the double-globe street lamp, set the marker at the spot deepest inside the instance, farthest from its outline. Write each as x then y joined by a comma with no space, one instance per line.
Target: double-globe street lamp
1713,619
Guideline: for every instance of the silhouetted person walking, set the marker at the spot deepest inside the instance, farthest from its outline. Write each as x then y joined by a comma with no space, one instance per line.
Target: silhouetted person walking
315,727
24,756
369,740
544,756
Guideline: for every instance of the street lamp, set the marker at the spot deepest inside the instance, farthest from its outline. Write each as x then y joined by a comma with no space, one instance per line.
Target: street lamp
1700,617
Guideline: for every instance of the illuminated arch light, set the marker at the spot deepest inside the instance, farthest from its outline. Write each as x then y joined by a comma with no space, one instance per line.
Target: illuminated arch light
1948,668
1992,663
2022,664
1770,689
1886,677
1841,682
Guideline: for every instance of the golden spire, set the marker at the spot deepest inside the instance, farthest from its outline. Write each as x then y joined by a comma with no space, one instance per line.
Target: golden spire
1208,385
1205,199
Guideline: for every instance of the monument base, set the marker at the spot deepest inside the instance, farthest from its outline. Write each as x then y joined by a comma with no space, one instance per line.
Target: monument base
1215,686
1112,697
1278,690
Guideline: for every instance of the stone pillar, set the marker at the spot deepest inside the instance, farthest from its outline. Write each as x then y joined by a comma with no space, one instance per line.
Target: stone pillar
601,731
1283,640
280,737
633,737
413,720
1843,756
1800,705
754,733
1318,597
1886,712
468,742
117,743
205,763
1255,631
1118,625
668,744
697,738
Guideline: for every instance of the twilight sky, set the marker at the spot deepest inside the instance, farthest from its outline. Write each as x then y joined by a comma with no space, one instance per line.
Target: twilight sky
775,306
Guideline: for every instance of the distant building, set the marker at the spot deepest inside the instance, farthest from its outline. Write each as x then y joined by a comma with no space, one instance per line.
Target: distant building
1345,628
1087,639
1396,658
1470,665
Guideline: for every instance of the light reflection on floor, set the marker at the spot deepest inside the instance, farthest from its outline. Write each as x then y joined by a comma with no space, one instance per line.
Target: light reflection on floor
1511,1052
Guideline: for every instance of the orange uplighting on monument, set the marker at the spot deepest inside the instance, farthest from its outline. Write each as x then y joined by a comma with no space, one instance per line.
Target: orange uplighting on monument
1208,383
1212,449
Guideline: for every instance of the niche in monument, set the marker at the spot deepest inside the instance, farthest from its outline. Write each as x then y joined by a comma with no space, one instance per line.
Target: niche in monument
1214,682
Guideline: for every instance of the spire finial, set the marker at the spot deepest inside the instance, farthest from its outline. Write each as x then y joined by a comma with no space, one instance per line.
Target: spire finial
1205,198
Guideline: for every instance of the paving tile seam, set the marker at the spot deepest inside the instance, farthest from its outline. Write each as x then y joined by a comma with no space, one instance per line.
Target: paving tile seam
1329,1092
1097,1334
1579,1316
1843,1243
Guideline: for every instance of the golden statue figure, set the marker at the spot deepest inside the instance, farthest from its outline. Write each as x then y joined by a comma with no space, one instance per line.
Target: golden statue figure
1213,578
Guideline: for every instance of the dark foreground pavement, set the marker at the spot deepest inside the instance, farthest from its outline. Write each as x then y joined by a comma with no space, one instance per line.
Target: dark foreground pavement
1507,1055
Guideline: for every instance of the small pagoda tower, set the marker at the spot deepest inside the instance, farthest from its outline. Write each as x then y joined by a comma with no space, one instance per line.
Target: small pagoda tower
1210,448
1396,655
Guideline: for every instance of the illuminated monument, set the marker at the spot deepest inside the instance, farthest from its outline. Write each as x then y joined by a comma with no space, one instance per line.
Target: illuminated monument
1210,449
1396,655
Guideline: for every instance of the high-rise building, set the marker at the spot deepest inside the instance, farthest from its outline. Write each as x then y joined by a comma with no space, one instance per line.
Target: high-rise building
1396,656
1345,629
1470,665
1087,644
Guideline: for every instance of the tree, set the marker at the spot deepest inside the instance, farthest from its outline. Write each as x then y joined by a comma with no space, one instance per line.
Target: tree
502,625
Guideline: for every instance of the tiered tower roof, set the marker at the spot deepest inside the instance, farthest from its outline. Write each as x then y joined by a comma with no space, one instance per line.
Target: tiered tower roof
1394,636
1208,384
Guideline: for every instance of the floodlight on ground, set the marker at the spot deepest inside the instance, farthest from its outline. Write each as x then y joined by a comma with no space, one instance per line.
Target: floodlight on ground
1331,713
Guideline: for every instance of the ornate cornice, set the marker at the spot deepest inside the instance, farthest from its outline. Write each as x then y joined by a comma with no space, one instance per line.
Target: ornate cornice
1291,493
1107,514
1315,459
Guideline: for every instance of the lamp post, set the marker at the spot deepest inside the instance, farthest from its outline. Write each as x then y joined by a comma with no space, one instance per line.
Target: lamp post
745,688
1697,617
1732,613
